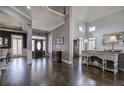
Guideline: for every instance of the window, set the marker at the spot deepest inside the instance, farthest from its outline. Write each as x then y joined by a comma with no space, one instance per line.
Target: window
38,37
91,29
81,43
81,28
17,44
92,43
33,46
38,45
44,45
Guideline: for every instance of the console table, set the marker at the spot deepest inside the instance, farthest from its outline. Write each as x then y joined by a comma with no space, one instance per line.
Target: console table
57,56
105,58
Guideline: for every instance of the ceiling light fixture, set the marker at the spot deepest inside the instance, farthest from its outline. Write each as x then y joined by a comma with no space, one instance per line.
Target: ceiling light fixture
28,7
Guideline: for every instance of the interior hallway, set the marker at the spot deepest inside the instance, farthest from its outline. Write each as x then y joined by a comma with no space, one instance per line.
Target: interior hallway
44,71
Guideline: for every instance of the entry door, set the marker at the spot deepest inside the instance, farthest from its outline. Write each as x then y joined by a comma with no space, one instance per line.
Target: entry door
38,48
17,45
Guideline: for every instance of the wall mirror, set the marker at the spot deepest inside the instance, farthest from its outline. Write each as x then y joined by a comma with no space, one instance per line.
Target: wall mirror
119,36
59,41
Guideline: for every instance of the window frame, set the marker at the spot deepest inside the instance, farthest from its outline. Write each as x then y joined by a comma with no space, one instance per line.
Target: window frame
92,28
91,40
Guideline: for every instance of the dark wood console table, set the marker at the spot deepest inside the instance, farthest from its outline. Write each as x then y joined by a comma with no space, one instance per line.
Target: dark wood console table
57,56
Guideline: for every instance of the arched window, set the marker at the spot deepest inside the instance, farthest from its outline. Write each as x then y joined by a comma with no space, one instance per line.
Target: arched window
38,45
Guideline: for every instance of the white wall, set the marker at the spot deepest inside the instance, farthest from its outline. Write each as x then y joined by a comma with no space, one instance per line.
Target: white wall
108,24
64,31
75,27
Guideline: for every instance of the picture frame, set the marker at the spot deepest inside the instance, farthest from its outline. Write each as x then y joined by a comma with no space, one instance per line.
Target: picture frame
59,41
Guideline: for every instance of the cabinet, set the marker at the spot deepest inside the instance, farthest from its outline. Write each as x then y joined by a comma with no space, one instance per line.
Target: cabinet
57,56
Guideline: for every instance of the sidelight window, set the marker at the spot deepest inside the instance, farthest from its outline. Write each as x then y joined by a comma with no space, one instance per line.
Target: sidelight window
33,45
44,45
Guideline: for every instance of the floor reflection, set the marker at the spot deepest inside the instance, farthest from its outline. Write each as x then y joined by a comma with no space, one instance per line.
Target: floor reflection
44,71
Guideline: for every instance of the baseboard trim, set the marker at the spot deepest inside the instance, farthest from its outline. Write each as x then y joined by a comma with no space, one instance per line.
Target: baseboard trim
66,61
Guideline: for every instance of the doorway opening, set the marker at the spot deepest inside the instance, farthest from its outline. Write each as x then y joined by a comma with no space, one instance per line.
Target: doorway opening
17,45
78,47
38,46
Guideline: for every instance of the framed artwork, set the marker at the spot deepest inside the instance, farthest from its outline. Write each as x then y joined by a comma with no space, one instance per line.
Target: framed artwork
1,41
60,41
119,36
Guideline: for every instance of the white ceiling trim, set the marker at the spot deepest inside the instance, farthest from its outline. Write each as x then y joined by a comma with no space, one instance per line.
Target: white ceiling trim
51,10
56,26
20,12
11,30
39,29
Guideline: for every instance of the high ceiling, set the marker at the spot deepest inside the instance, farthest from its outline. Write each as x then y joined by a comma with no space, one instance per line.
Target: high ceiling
26,11
92,13
12,16
44,19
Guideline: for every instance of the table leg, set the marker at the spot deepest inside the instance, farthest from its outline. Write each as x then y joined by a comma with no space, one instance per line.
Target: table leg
0,72
103,65
115,68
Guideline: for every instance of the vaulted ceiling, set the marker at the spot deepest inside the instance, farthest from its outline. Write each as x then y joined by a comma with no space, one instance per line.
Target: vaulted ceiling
92,13
44,19
12,16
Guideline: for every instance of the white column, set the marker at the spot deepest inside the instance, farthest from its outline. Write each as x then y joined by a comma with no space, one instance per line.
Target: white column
29,44
70,36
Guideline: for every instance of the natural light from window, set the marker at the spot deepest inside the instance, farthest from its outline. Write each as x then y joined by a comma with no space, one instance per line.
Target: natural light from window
92,43
81,28
38,45
91,29
33,46
44,45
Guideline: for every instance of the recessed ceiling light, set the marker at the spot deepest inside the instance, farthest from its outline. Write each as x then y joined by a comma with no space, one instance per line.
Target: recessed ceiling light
28,7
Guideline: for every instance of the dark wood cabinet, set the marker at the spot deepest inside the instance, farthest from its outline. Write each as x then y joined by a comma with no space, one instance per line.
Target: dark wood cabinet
121,61
57,56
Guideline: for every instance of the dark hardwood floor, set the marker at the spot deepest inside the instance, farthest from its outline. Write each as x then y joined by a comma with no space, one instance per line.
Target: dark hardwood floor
44,72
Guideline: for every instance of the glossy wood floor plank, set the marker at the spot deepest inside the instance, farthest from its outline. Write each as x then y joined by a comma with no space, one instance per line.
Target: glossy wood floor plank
44,72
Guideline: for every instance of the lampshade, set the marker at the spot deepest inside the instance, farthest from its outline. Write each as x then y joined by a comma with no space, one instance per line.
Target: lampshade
113,39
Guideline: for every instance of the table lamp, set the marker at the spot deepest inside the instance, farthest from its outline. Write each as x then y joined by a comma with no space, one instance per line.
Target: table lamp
113,40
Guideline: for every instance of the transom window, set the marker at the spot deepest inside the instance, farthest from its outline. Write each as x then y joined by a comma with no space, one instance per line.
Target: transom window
91,29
